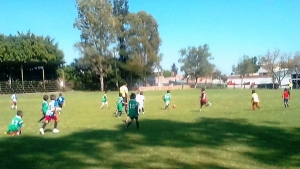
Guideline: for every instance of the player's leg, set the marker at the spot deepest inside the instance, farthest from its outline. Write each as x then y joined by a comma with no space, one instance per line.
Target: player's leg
137,122
106,104
143,109
47,120
42,118
127,122
102,105
16,105
167,105
55,130
257,105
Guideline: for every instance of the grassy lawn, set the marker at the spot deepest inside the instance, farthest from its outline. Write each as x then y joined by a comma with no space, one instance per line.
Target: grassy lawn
226,135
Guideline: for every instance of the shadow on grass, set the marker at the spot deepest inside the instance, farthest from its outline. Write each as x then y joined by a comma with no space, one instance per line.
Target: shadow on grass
269,146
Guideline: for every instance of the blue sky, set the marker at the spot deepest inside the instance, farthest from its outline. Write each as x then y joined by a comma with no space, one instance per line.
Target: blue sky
231,28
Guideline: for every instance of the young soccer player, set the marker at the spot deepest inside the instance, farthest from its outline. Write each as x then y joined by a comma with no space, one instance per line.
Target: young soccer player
44,107
254,100
167,98
60,102
51,115
140,98
15,127
203,99
104,101
286,97
120,103
14,99
133,112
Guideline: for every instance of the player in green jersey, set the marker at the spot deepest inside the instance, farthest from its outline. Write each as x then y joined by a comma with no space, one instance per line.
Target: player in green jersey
167,98
120,103
14,128
104,101
44,107
133,112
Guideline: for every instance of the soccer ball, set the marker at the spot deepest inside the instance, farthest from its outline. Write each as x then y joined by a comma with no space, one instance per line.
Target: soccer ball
55,131
174,106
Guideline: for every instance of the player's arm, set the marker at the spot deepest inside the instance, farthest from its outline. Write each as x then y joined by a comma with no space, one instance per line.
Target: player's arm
20,127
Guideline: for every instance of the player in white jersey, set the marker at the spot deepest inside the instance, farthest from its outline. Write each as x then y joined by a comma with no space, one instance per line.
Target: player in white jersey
51,115
14,99
140,98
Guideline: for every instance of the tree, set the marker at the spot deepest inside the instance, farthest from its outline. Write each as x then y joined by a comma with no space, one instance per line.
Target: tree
29,47
120,11
196,62
244,67
167,73
142,42
97,25
277,64
174,69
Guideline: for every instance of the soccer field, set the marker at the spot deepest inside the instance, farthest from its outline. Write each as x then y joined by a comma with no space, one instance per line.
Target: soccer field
228,134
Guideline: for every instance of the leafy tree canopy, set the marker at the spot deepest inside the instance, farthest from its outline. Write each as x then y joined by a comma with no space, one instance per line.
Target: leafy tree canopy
29,48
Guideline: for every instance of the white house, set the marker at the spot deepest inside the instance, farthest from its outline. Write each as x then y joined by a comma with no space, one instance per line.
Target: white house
254,79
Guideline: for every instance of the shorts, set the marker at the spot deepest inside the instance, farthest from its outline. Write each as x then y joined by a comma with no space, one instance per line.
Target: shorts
255,104
285,100
120,108
167,103
104,103
60,105
203,102
14,103
12,129
49,118
134,117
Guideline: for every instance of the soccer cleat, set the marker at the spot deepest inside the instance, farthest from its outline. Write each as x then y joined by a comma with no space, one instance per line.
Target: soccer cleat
42,131
55,131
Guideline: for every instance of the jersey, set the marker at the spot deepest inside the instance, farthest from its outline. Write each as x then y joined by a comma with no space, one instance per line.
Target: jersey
60,100
44,107
14,97
104,98
51,108
15,124
123,90
167,97
286,95
120,104
203,97
255,97
133,108
140,99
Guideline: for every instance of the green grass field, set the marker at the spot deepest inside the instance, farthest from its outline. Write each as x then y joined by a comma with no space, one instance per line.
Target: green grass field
226,135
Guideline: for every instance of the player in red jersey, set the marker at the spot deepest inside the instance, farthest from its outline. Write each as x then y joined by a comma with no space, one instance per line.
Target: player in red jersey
203,99
286,97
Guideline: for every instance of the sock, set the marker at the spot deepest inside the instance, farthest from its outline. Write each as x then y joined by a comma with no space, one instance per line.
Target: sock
12,106
128,124
16,107
42,118
137,124
44,125
55,124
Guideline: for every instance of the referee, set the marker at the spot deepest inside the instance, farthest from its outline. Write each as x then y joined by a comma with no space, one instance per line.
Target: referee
124,92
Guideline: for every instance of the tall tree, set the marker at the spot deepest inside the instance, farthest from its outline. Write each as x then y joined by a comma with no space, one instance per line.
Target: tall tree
244,67
97,25
174,69
278,65
120,11
196,61
142,42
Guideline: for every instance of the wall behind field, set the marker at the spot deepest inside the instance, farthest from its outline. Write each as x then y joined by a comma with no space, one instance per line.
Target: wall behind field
175,87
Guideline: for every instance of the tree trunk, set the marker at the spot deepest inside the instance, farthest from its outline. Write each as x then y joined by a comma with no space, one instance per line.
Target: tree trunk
242,83
196,83
101,83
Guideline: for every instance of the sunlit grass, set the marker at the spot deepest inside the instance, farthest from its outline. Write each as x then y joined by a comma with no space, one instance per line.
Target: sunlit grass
226,135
